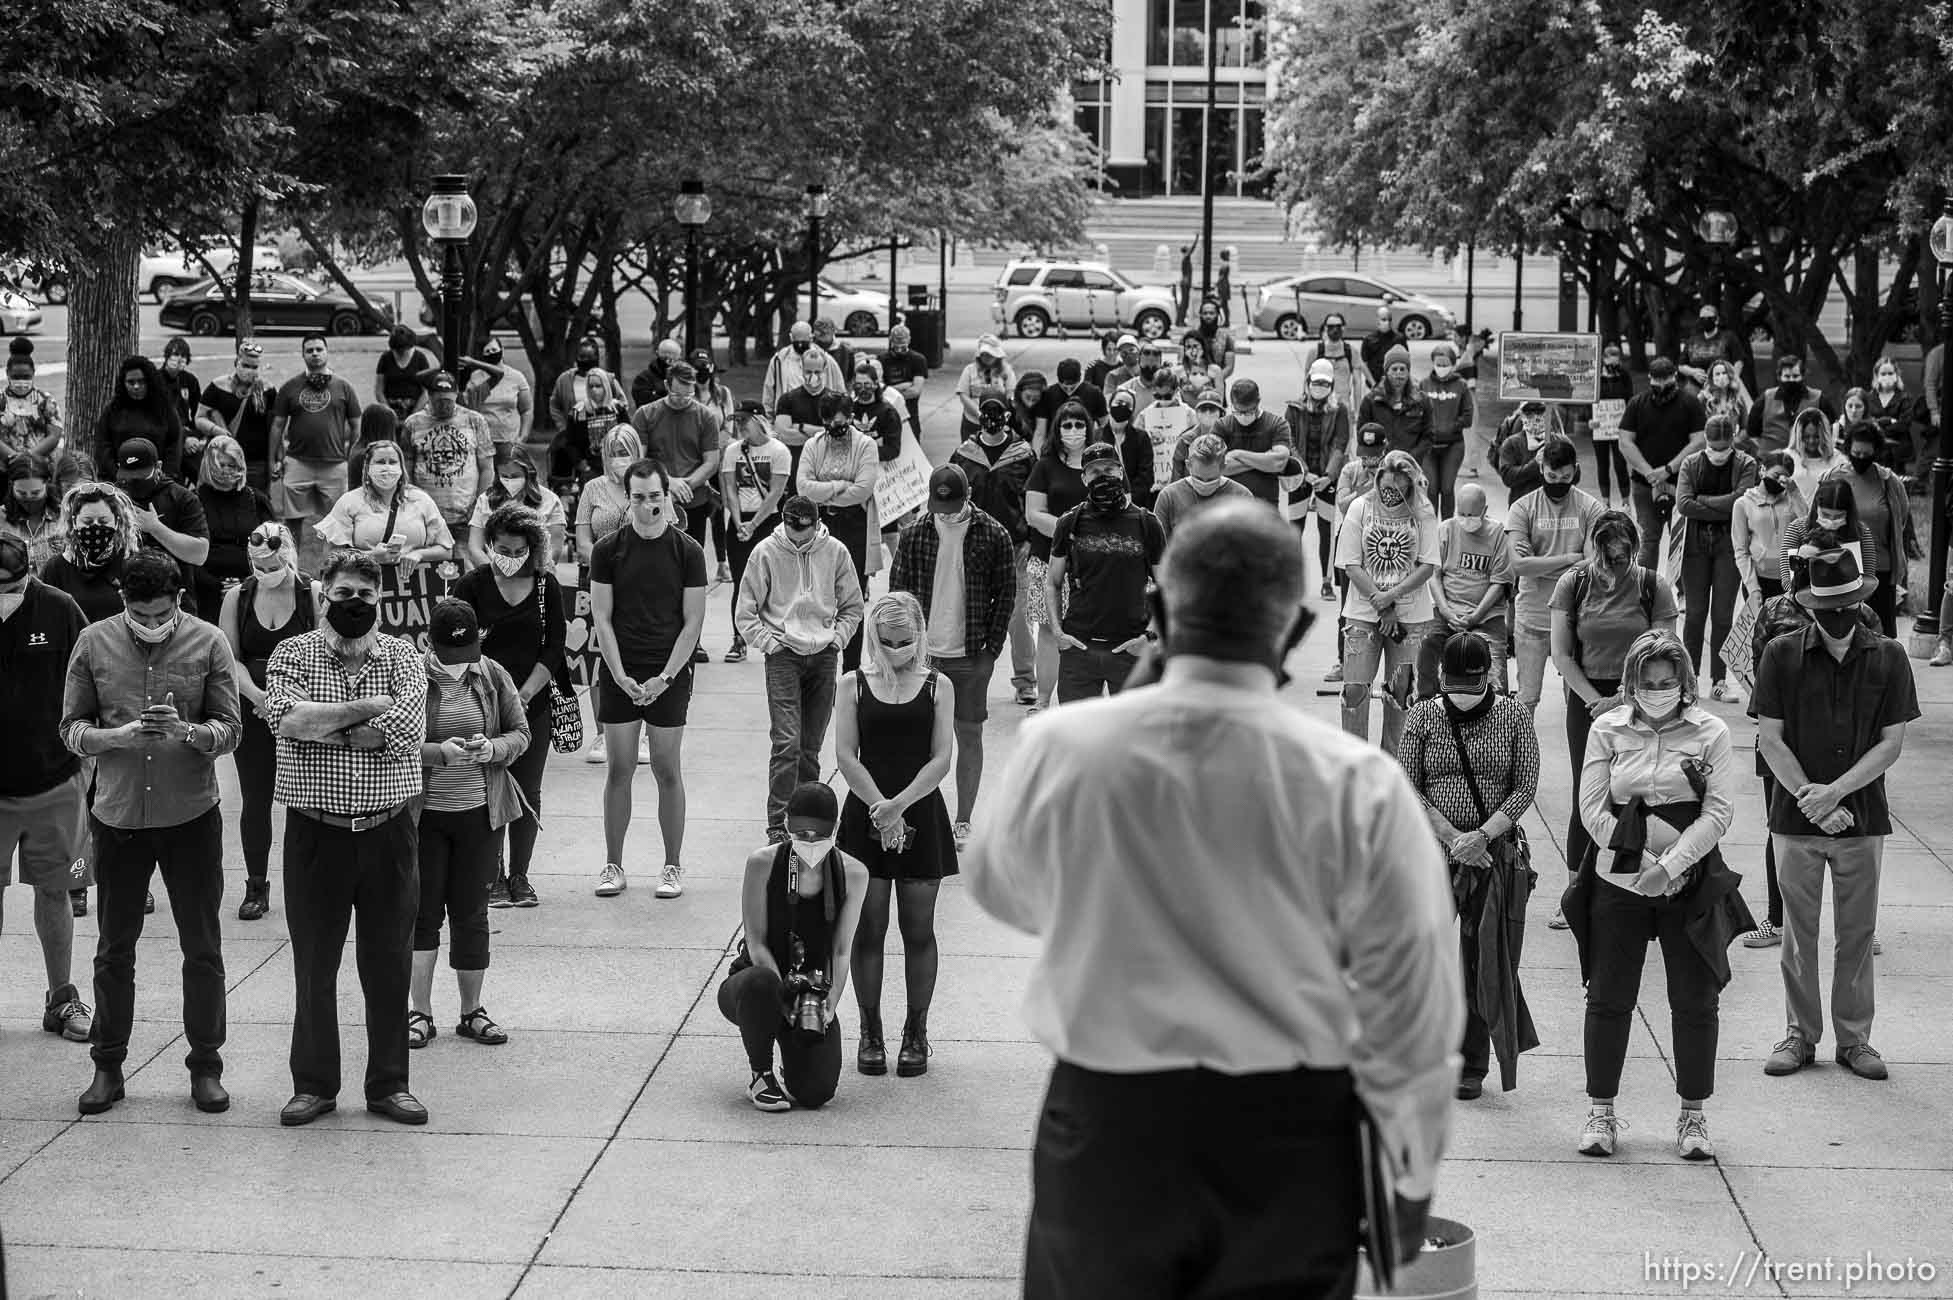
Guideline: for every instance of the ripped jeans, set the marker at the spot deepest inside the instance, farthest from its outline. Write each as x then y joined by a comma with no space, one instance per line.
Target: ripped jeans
1365,647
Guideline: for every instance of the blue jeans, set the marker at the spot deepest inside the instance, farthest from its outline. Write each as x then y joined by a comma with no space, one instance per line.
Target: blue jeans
1365,647
799,701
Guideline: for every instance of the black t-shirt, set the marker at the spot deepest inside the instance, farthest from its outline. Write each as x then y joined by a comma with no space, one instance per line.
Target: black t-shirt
803,407
1063,488
900,366
97,591
521,635
1108,559
1087,396
187,392
231,518
402,384
1662,429
35,645
180,509
253,432
648,578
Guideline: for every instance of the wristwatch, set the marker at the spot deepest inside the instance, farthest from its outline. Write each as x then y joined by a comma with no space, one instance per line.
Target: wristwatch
666,678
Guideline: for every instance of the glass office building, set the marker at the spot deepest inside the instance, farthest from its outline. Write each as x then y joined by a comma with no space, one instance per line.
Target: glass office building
1149,119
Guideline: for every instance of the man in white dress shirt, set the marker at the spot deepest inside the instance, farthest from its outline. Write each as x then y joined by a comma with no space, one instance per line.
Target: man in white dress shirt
1247,941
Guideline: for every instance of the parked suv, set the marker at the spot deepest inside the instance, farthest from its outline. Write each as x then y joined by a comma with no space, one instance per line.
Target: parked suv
1035,297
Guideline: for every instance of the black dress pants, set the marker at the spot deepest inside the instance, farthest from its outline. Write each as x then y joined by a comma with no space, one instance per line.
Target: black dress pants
330,874
1192,1184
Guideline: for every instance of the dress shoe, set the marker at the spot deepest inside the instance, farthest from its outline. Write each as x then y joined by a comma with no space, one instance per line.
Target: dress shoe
1470,1088
400,1107
305,1107
207,1091
103,1093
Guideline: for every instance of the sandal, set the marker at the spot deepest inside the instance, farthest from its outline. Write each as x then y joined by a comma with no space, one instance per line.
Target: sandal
478,1026
420,1029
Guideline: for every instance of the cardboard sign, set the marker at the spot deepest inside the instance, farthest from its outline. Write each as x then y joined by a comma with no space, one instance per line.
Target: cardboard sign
1607,417
903,484
1549,367
407,607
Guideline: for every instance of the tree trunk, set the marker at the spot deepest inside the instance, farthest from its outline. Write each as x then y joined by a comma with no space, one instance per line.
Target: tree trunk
102,326
247,237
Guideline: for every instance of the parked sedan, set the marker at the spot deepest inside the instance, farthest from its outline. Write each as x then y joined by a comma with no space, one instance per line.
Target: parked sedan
278,302
161,273
1293,307
18,314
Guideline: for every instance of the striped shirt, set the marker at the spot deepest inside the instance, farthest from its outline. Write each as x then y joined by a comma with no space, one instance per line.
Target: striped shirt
457,716
333,778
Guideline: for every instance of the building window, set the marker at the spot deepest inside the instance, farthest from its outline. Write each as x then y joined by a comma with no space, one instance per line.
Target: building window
1159,32
1155,181
1189,34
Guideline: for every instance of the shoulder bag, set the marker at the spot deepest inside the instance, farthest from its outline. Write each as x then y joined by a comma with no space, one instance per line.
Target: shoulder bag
565,716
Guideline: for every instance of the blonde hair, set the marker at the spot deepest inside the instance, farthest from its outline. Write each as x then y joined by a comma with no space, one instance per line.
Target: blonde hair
621,438
1658,645
88,492
221,445
904,610
1402,462
287,548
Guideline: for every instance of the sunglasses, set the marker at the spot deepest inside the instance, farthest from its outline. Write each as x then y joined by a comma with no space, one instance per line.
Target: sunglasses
268,541
1072,424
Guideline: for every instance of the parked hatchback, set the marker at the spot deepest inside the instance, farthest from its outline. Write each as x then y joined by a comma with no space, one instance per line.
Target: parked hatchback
1293,307
1033,298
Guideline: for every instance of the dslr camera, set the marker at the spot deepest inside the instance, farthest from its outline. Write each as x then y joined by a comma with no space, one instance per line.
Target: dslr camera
807,991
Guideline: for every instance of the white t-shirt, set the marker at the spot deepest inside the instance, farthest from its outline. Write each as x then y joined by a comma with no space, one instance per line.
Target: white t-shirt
498,403
755,470
1387,549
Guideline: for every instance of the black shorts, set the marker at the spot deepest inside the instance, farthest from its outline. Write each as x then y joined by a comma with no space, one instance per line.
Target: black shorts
668,710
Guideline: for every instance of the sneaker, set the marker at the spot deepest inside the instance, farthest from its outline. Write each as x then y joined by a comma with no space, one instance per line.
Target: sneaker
1878,949
671,881
700,657
1862,1061
766,1094
644,751
1027,695
725,572
1764,936
1329,591
498,893
610,882
1789,1056
522,893
961,834
1558,920
1943,655
1692,1137
67,1015
1726,693
595,754
1598,1135
1335,674
737,653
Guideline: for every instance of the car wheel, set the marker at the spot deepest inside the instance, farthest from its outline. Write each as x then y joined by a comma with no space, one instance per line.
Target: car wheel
1152,324
55,292
344,324
1415,328
1032,323
859,324
205,324
1293,328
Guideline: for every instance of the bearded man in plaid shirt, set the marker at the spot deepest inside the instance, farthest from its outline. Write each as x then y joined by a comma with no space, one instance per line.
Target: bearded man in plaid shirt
348,705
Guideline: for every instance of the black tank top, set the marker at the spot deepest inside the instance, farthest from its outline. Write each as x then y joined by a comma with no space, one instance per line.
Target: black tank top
896,740
255,641
810,920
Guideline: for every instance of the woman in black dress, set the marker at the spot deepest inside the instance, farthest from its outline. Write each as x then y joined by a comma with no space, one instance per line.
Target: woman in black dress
519,604
232,509
894,737
273,603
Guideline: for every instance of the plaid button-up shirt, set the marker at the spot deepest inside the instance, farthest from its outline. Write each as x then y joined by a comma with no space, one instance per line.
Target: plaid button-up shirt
331,778
989,577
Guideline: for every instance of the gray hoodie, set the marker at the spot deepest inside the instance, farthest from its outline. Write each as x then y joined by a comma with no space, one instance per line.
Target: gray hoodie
800,598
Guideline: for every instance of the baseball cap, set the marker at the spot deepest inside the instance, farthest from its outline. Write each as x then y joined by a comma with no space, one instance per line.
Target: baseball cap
443,382
1210,397
989,345
814,799
1532,406
1322,371
1370,435
453,624
799,512
1467,661
1128,341
949,489
1100,451
992,406
749,406
136,456
701,361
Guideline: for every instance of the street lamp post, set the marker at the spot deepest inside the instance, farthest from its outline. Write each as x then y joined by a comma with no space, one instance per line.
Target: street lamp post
448,216
693,209
1598,220
1928,624
816,209
1718,230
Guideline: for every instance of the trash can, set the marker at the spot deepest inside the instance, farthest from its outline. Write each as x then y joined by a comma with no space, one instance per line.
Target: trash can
926,334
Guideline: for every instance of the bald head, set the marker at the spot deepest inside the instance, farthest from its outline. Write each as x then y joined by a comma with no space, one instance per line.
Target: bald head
669,350
800,332
1232,582
1470,499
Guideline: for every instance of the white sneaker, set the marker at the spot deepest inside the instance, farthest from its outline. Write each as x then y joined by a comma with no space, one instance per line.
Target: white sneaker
671,881
610,882
595,754
1597,1136
1726,692
1557,921
1692,1137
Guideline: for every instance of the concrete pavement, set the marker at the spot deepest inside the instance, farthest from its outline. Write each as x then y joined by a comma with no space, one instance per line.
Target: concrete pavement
608,1149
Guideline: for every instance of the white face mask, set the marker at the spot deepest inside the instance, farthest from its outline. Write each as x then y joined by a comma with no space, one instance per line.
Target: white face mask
277,577
1440,372
813,852
454,671
508,565
1465,701
1471,523
150,635
1072,439
1206,487
514,487
1720,457
1658,704
384,477
618,464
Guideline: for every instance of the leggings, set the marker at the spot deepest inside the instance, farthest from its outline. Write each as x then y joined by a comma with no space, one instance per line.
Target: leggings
719,531
1709,584
1445,462
256,757
1621,925
755,999
1579,723
527,770
457,862
1607,452
1885,603
1770,851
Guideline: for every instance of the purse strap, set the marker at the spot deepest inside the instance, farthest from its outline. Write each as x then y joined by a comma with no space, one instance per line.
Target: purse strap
1465,762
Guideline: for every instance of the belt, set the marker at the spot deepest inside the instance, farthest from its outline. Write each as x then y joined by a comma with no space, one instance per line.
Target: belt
356,823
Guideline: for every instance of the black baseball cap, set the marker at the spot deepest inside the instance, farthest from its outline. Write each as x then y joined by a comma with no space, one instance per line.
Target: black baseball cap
992,406
799,512
949,490
1467,662
1371,435
1098,452
453,624
1120,400
136,456
814,799
700,360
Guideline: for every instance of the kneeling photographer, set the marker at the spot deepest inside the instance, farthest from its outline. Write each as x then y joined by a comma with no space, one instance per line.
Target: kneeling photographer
801,903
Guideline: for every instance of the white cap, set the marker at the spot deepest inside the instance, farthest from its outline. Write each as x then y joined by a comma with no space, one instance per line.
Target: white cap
1128,340
990,345
1322,368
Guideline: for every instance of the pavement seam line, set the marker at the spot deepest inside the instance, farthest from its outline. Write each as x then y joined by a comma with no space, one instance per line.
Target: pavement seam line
623,1118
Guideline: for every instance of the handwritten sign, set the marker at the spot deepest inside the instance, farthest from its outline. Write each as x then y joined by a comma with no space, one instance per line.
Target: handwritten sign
579,631
903,484
1549,367
407,606
1607,418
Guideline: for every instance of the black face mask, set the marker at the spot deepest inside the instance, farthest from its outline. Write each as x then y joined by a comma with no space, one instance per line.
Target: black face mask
1335,333
800,346
1836,623
1556,491
1773,487
1107,493
1709,324
1862,462
1663,393
1147,372
352,617
585,364
141,489
94,544
1792,392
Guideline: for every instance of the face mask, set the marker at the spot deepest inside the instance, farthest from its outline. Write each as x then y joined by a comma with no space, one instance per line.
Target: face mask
1658,704
1838,624
352,617
813,852
1336,333
1835,523
1791,390
1389,497
1467,705
1147,372
1862,462
1611,365
20,388
1071,439
508,565
1205,487
513,487
1773,487
95,544
1440,372
318,380
618,464
151,635
1721,457
277,577
1248,416
585,363
140,489
1320,392
647,515
1556,491
1886,383
384,477
1107,493
453,671
800,346
994,433
1471,523
1663,393
1709,324
902,655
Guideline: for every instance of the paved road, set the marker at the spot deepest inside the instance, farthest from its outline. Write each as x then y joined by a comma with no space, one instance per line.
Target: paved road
609,1150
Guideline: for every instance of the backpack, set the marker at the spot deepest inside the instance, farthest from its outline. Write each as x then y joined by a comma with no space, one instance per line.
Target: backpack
1582,576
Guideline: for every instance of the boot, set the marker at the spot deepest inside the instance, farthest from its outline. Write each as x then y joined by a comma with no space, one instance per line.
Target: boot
913,1059
103,1093
871,1057
1943,655
257,900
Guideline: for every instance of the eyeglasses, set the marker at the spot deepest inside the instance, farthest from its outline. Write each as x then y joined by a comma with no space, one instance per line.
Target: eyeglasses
1072,424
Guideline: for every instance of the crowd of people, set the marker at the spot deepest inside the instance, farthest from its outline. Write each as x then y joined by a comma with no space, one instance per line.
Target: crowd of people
156,616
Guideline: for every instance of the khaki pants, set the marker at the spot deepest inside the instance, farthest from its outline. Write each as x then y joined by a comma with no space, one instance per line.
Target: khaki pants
1854,863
